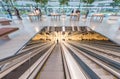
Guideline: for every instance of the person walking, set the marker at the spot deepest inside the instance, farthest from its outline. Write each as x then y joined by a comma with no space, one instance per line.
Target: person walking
38,12
86,15
9,12
78,14
17,13
57,41
74,10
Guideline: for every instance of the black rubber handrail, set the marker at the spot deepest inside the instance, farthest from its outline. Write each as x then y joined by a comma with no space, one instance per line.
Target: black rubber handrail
91,74
106,60
26,65
17,55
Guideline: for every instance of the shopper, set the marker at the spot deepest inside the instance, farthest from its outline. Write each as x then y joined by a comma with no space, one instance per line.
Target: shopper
77,11
74,11
38,12
17,13
86,15
9,12
78,14
57,41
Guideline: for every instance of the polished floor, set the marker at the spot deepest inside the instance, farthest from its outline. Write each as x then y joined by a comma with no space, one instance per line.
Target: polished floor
27,29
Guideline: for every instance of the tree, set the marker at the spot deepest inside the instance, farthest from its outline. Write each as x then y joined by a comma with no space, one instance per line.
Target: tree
113,4
117,3
80,3
10,2
63,2
2,5
42,2
88,1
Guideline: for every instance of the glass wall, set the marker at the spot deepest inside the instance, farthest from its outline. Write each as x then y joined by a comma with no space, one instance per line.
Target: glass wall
56,8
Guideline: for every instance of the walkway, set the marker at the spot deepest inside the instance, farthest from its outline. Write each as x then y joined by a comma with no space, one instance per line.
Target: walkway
108,28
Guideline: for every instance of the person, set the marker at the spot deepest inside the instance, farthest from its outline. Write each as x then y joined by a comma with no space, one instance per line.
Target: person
77,11
57,41
74,10
72,14
17,13
87,13
78,14
38,12
9,12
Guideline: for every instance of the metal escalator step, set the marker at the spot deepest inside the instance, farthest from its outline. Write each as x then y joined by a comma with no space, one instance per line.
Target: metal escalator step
51,75
101,72
107,77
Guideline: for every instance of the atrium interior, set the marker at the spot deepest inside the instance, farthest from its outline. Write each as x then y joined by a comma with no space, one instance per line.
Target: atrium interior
59,39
